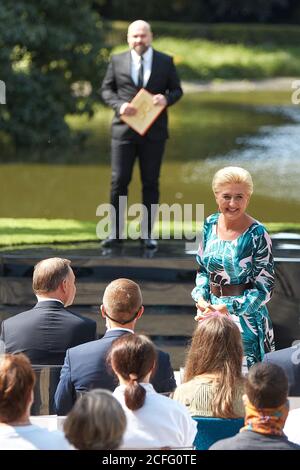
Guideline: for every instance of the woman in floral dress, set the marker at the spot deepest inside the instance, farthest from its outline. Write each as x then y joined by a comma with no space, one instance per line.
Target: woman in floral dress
236,268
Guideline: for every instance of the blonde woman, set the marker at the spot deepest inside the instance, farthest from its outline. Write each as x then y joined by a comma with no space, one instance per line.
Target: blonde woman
236,269
213,382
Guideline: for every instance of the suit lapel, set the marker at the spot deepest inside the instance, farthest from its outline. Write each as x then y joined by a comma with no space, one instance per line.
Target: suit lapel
128,67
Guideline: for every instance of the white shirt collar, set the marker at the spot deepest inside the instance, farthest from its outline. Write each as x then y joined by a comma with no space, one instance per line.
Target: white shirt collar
121,329
147,56
146,385
46,299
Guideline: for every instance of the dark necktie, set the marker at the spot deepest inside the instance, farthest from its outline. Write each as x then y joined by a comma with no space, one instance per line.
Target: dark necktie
141,73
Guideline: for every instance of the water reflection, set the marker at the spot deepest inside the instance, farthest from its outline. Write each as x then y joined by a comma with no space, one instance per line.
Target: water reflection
272,156
257,130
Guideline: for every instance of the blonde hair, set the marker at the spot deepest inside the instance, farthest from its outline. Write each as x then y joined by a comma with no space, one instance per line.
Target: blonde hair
217,349
232,174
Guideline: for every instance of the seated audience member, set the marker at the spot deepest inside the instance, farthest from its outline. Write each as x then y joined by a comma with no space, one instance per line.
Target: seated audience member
45,332
292,426
16,396
289,360
153,420
213,382
267,407
85,366
96,422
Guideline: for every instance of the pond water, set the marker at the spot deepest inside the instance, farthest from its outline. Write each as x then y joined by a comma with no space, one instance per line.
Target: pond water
257,130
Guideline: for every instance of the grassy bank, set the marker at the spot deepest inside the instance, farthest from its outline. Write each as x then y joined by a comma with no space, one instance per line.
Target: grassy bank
201,59
227,33
44,231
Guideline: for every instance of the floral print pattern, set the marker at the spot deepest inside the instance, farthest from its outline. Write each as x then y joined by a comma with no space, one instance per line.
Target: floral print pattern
245,259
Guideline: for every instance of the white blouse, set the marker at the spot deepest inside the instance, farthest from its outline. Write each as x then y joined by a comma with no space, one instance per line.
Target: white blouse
161,422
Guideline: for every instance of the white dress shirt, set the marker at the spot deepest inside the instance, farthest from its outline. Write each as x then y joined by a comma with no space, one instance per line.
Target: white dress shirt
160,422
292,426
48,299
135,65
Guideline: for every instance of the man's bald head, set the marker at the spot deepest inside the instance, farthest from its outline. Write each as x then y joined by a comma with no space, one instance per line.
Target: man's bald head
139,24
122,299
139,36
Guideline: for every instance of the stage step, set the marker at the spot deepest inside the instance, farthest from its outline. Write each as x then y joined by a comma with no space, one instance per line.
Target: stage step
166,278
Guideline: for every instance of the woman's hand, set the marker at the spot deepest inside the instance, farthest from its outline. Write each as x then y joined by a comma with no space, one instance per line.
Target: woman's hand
203,308
221,308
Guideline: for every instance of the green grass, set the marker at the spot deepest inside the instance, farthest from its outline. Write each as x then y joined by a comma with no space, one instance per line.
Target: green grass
44,231
230,33
201,59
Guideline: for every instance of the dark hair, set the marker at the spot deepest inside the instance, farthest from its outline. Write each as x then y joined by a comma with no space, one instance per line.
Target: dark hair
266,385
17,380
216,348
96,422
133,356
49,273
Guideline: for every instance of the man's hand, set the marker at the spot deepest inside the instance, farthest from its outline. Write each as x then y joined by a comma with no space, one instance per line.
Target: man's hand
127,109
159,100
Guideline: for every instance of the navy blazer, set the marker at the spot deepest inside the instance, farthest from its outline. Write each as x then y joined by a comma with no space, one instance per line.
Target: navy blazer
45,332
118,88
85,368
289,360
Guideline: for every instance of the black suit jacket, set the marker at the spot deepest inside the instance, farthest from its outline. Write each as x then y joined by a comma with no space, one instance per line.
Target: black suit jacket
118,88
45,332
289,360
85,368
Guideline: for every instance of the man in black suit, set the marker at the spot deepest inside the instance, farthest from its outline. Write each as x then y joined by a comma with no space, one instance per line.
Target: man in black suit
45,332
86,366
141,67
289,360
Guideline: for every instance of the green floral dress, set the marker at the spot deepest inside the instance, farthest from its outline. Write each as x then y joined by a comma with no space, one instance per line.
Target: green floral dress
245,259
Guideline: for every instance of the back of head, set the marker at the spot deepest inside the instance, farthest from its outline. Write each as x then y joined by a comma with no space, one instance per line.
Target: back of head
217,349
48,274
17,380
216,345
122,300
133,357
96,422
266,385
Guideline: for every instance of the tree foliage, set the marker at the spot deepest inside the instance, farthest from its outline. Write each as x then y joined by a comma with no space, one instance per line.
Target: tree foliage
49,52
203,10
